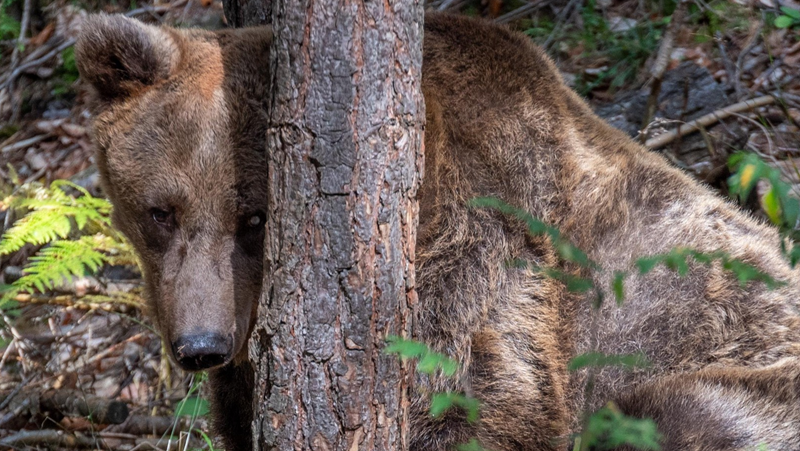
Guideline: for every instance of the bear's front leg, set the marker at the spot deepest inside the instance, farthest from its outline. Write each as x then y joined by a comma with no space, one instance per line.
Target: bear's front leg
231,397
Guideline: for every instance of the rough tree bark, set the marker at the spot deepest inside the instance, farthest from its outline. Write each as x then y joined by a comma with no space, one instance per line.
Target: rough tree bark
345,150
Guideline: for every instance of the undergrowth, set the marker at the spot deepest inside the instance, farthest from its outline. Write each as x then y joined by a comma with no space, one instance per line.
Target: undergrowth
9,27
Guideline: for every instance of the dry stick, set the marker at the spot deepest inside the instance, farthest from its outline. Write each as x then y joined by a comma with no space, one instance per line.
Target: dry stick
752,40
662,60
446,4
708,119
24,143
77,366
48,437
36,53
69,300
20,340
18,71
23,29
26,403
521,11
730,68
26,16
10,396
149,425
561,18
75,403
766,135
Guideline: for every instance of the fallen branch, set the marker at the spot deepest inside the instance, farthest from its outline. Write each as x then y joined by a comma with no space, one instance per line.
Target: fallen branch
24,143
107,303
10,396
74,403
50,437
150,425
708,119
23,30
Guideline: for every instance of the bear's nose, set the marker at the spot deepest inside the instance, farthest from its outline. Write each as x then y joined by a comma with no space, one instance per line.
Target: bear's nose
201,351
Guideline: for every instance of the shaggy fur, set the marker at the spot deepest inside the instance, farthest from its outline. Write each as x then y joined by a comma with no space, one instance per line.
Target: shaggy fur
180,126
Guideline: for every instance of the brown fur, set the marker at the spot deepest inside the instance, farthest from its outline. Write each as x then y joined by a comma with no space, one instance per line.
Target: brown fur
180,125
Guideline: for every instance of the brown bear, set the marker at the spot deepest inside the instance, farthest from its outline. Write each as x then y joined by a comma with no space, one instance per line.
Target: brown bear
180,135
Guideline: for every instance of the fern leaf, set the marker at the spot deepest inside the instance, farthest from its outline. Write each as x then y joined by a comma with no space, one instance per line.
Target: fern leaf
53,214
60,262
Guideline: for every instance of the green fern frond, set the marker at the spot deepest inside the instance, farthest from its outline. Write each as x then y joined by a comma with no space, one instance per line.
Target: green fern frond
60,262
53,214
75,230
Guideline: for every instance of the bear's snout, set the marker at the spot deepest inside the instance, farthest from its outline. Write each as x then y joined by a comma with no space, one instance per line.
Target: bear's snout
202,351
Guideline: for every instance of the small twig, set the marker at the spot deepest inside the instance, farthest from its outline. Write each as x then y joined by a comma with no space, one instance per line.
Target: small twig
708,119
763,79
150,425
7,352
445,4
48,437
763,130
562,17
730,69
52,164
13,414
17,336
22,68
521,11
85,302
16,390
24,143
23,30
662,61
102,354
752,40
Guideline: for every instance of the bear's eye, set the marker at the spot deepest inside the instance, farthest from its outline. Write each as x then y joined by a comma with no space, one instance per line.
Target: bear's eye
161,217
256,220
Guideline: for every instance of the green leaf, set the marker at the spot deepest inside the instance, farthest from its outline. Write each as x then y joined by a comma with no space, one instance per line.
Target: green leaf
573,283
192,406
472,445
646,264
794,255
609,428
442,402
791,12
618,285
428,361
407,349
598,359
772,206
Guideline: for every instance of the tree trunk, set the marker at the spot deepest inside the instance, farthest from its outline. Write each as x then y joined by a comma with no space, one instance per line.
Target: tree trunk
345,153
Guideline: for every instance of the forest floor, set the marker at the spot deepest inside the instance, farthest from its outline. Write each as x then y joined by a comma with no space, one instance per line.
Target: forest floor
732,67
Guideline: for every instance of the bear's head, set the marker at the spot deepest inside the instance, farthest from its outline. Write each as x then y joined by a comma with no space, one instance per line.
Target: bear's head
180,128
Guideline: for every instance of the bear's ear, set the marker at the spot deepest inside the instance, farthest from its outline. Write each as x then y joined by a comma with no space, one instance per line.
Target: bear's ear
119,56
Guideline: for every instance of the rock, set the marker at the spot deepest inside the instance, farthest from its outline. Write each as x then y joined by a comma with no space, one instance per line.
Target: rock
687,92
